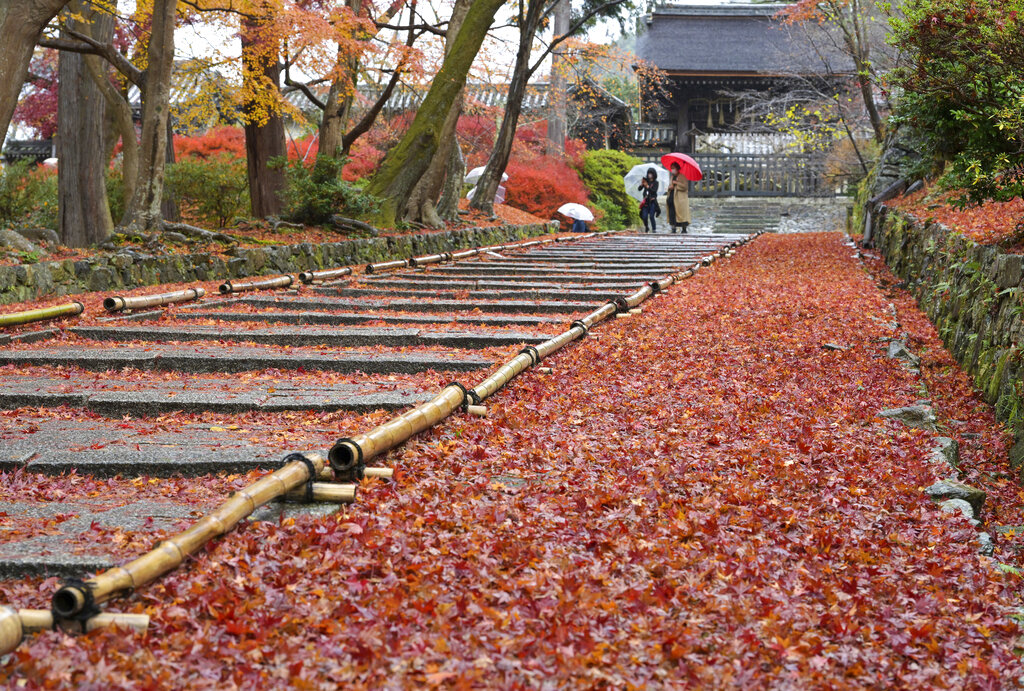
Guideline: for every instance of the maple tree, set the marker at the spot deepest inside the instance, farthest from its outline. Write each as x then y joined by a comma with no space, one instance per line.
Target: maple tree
859,37
37,108
21,24
530,18
409,163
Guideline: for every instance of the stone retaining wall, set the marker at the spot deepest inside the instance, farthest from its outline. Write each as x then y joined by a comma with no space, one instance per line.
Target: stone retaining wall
973,295
131,269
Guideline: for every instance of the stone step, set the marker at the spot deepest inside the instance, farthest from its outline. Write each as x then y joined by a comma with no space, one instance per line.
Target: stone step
309,336
228,359
523,293
105,448
116,397
291,317
532,273
456,281
428,306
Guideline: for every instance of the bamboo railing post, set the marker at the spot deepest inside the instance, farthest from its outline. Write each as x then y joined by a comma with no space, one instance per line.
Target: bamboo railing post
118,302
67,310
229,287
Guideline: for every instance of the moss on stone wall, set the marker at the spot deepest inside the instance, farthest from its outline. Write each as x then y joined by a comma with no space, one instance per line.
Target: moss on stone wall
972,293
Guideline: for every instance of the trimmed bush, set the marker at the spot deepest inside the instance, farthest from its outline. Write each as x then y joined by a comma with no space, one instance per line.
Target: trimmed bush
214,191
28,195
316,193
541,185
602,173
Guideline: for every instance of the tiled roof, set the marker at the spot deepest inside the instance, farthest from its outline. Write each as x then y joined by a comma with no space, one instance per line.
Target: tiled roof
730,39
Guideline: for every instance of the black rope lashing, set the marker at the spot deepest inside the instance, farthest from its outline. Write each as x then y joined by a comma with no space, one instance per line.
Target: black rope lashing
466,394
311,473
620,304
352,471
89,609
655,287
532,352
579,323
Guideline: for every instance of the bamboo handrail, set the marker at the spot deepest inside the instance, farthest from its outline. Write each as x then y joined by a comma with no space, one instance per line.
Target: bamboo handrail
118,302
28,316
237,287
72,599
15,623
324,275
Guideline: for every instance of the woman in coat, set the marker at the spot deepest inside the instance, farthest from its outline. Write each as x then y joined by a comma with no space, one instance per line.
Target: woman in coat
649,208
678,200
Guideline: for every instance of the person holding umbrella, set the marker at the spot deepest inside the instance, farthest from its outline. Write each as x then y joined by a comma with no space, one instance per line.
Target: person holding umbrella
649,207
678,199
682,169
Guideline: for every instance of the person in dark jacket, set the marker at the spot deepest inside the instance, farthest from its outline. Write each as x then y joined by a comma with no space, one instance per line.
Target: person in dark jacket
649,208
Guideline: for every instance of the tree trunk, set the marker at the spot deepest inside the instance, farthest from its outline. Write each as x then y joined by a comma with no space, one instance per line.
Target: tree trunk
558,113
487,185
342,93
119,119
81,125
448,206
421,204
21,22
410,159
264,126
145,214
169,203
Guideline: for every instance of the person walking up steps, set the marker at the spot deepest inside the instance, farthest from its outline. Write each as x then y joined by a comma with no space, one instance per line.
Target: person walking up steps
678,200
649,208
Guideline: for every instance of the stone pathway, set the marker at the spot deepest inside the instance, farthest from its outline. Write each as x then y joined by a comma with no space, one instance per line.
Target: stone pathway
125,374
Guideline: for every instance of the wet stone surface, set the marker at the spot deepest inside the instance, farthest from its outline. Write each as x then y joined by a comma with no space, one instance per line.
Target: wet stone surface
113,419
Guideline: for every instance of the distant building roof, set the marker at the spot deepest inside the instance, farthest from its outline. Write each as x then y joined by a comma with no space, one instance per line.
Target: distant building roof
734,39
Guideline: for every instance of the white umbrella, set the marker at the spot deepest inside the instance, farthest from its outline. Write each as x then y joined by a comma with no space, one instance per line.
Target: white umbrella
577,211
474,175
499,195
637,173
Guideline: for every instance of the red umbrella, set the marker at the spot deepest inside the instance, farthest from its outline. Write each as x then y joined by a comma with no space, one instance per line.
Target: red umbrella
689,167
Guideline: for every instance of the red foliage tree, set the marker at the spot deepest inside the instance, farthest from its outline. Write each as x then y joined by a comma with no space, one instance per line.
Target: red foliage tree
37,110
219,140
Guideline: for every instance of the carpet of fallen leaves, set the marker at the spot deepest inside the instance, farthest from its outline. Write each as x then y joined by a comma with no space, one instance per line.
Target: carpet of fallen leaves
991,223
256,234
700,496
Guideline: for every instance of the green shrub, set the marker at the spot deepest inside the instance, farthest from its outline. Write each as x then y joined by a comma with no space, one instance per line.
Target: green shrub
962,92
28,195
602,173
214,190
115,193
314,195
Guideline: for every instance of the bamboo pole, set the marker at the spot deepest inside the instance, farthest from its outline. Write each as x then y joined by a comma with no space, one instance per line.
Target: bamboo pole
352,452
72,599
15,318
325,275
276,282
15,624
118,302
431,259
382,266
335,493
382,473
465,254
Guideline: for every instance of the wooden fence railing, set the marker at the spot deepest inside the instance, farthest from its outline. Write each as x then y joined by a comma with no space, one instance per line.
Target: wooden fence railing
762,175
